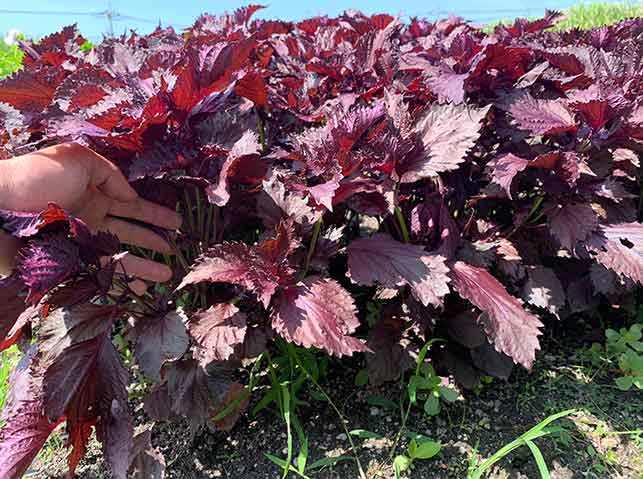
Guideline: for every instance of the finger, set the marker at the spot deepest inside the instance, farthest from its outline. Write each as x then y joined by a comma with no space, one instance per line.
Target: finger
138,287
135,235
104,174
148,212
144,269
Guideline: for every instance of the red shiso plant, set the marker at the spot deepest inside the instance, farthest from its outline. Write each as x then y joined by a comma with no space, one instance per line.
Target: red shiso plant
472,185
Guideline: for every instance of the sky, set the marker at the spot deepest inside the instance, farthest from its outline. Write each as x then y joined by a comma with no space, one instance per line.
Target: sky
46,16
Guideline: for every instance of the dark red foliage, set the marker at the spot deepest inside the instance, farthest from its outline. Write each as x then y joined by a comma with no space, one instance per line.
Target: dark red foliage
472,184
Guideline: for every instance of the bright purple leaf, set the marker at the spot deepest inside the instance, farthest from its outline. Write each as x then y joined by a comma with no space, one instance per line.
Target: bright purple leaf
619,247
447,133
504,169
541,117
318,313
217,331
47,262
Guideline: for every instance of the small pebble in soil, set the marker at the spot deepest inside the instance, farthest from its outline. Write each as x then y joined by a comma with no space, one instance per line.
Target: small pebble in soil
341,437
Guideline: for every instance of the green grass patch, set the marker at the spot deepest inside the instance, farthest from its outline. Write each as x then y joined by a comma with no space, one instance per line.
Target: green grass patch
8,360
10,59
587,15
592,15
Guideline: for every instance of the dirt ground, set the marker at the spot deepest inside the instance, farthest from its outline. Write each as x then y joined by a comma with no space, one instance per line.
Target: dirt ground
475,426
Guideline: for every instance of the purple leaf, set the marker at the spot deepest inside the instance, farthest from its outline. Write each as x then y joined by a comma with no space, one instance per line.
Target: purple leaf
543,289
509,327
619,247
318,313
382,260
195,392
146,461
464,329
390,354
259,269
26,428
503,170
47,262
161,339
446,133
71,341
541,117
12,304
492,362
571,223
217,331
245,150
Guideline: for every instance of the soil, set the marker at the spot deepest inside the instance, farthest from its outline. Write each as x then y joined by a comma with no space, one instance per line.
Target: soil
474,427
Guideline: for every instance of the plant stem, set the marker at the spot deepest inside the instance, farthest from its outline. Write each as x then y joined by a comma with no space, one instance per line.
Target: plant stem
398,436
293,352
200,219
405,415
189,211
208,226
311,247
179,254
400,219
137,299
262,132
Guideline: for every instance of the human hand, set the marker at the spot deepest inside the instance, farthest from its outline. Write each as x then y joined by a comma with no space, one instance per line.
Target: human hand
93,189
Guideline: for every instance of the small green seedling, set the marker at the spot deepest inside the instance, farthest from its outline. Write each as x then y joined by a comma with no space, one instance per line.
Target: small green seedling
624,349
427,386
422,451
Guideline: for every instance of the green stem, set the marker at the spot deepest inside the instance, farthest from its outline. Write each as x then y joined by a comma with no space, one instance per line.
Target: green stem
405,416
311,247
200,219
400,219
188,210
342,419
275,382
208,226
262,133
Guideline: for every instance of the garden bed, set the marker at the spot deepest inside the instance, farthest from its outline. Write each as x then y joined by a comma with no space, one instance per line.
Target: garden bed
478,425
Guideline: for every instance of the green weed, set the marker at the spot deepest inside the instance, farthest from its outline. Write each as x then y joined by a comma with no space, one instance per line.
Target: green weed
478,469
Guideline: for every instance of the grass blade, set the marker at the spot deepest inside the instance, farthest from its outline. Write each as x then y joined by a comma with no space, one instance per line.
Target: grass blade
329,461
540,460
285,394
302,456
539,430
284,465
